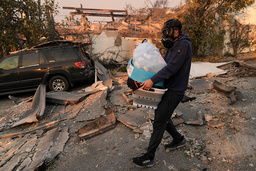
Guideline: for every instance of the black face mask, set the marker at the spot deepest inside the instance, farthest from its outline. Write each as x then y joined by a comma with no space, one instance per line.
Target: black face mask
168,33
168,37
167,42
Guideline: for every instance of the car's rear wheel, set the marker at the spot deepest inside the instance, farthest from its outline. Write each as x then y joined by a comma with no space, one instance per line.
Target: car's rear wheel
58,83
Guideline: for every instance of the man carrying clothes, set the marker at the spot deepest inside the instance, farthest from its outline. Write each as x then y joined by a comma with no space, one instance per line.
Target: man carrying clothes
176,75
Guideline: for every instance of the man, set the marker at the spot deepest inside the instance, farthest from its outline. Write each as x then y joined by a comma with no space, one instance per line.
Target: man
176,75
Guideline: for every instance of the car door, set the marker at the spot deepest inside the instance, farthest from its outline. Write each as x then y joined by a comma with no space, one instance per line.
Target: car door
9,79
32,70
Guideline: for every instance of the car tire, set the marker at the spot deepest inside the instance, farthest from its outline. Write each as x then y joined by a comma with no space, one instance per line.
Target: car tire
58,83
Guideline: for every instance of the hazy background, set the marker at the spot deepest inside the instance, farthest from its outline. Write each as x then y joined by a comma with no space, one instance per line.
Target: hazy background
102,4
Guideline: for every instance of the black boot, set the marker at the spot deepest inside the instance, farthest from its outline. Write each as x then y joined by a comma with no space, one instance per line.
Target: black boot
176,144
143,161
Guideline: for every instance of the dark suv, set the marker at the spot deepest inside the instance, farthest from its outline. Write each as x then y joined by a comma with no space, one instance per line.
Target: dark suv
58,65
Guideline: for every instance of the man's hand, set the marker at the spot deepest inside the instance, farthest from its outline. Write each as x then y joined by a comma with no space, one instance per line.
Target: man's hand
146,85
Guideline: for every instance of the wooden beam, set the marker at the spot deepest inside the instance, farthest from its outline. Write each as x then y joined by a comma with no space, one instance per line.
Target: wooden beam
91,9
98,14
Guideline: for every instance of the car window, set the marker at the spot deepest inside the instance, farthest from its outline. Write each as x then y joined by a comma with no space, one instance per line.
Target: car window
63,54
9,63
42,59
31,59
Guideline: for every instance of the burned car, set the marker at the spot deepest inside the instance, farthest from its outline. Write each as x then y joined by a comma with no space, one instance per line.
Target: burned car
59,65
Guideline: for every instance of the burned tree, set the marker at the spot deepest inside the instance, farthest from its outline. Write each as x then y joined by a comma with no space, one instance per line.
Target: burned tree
24,22
204,21
239,36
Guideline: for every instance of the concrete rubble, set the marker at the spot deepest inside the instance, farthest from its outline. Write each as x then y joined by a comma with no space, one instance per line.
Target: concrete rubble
134,119
65,98
37,108
31,144
98,126
203,83
226,89
19,100
36,134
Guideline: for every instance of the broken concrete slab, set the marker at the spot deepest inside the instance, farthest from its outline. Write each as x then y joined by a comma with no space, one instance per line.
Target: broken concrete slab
146,129
65,98
108,83
146,126
29,145
200,84
37,108
5,145
13,114
226,65
251,65
133,119
30,119
177,114
29,153
97,86
199,120
227,89
11,151
39,102
42,149
188,112
102,72
70,111
14,162
22,133
177,121
17,100
26,162
97,126
115,96
58,144
93,107
200,69
151,114
20,155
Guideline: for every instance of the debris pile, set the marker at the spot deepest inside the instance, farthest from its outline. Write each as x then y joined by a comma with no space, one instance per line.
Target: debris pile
36,130
34,133
203,98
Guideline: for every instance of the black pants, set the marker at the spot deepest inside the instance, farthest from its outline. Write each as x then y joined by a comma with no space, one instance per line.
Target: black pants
163,121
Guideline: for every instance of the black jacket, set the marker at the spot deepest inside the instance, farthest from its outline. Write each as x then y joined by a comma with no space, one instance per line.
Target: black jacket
176,72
